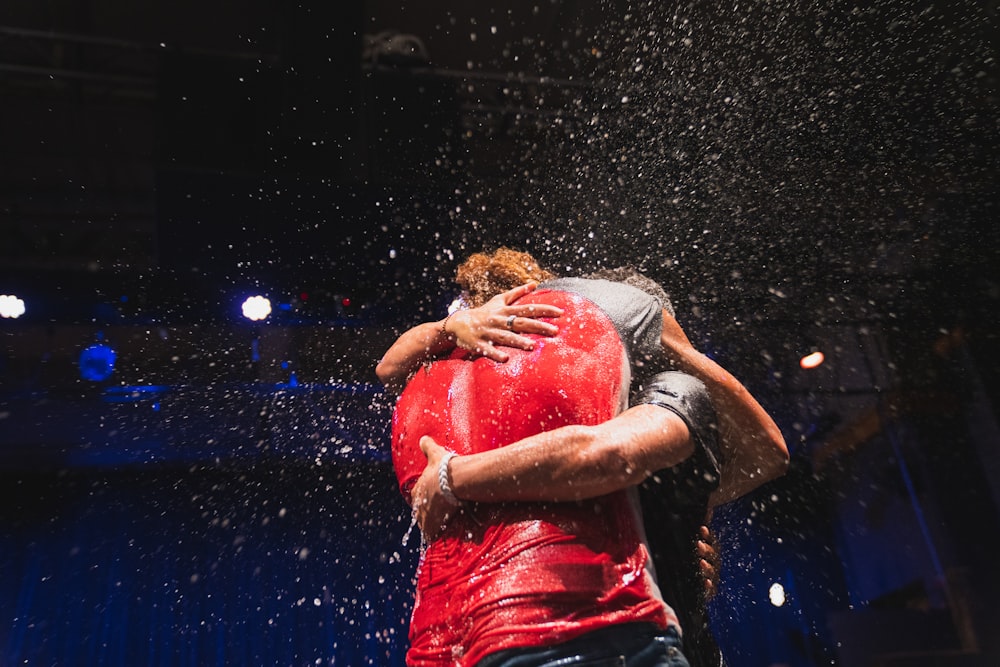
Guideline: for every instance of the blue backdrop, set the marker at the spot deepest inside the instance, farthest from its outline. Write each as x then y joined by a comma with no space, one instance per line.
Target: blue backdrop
294,564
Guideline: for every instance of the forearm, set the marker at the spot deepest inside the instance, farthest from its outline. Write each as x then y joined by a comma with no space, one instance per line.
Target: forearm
417,345
575,462
754,450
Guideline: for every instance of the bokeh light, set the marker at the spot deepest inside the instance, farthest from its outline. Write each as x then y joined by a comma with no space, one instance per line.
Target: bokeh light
256,308
812,360
97,362
11,306
776,594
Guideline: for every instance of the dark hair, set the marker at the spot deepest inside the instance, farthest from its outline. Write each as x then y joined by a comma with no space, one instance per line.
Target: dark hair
631,276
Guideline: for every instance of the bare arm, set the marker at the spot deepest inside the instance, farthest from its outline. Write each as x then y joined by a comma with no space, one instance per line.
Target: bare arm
754,450
480,330
567,463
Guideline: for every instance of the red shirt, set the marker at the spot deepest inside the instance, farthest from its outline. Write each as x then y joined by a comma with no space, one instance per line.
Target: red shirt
524,574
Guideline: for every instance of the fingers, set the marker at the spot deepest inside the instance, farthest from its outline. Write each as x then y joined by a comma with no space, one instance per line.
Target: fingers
500,323
708,561
535,310
429,446
516,336
526,319
432,516
529,310
708,553
499,336
432,528
430,510
705,550
510,296
526,324
491,351
511,339
710,577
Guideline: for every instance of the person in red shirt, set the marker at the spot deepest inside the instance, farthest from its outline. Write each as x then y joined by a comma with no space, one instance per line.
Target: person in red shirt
565,570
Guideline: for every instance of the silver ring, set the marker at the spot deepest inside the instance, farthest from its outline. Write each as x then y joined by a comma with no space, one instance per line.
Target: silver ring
510,322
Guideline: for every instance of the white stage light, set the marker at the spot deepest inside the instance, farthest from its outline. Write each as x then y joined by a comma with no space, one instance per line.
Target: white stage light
776,594
11,306
256,308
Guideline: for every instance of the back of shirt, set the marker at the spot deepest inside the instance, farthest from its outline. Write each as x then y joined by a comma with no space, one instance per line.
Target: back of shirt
524,574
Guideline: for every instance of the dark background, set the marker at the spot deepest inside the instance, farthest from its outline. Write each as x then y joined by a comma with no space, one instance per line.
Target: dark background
798,175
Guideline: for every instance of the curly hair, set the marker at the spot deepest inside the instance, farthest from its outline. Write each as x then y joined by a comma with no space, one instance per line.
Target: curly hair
484,275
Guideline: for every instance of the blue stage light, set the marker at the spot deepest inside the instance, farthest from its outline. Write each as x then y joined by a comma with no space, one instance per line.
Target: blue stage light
97,362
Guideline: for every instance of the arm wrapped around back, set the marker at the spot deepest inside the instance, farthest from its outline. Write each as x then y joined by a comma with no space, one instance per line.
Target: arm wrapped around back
675,506
687,397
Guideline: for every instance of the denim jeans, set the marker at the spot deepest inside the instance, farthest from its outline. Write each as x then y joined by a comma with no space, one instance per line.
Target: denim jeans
627,645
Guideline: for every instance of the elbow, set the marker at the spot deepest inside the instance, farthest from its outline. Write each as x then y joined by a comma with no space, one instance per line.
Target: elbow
389,374
783,456
775,462
384,372
767,460
780,448
776,469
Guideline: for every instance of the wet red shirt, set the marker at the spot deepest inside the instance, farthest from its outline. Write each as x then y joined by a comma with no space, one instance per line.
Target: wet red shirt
524,574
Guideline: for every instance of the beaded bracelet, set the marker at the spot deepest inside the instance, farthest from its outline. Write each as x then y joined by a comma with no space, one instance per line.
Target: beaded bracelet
444,479
444,324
